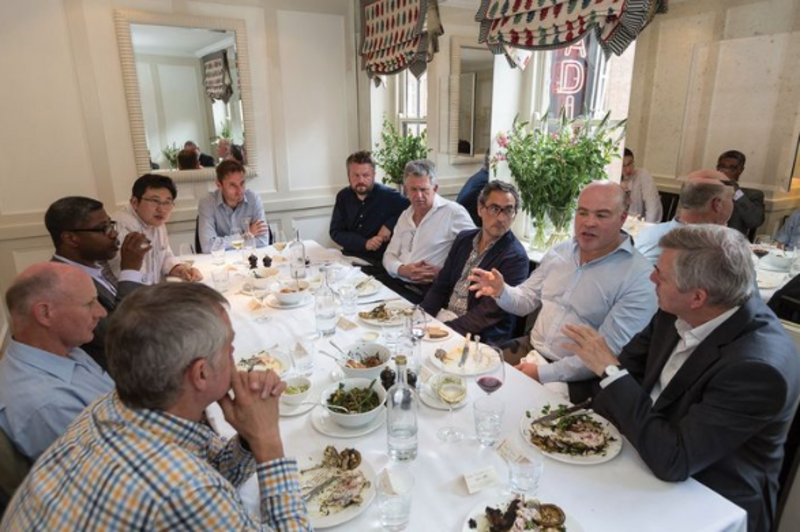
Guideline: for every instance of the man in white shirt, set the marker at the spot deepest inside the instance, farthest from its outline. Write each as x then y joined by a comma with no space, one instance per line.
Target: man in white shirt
643,198
152,200
708,389
424,233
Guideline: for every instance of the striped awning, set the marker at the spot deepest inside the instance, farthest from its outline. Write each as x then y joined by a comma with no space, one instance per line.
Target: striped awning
551,24
399,35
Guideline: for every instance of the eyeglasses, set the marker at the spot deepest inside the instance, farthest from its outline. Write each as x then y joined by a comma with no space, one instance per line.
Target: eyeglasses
495,210
106,229
168,204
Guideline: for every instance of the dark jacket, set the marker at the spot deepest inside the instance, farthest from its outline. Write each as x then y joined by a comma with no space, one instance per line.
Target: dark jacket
468,197
353,221
748,211
723,418
483,315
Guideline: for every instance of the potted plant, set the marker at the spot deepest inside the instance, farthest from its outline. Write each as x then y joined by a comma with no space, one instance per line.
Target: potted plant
396,150
551,167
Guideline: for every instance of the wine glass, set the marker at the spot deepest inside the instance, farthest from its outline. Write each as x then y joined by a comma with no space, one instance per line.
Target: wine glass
417,323
491,380
261,294
248,247
187,255
762,246
451,387
280,241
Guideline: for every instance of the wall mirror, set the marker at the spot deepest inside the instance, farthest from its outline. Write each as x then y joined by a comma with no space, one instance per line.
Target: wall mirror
186,78
471,84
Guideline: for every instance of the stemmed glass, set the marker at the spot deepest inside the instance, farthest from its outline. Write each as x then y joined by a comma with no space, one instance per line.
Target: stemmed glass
494,377
248,247
237,239
261,295
762,246
280,241
417,323
451,386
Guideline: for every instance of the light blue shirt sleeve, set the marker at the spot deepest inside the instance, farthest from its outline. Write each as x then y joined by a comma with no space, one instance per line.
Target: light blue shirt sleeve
206,226
790,232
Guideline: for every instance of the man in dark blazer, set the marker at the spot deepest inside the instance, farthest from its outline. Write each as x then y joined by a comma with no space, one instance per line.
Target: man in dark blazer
491,246
468,196
709,389
85,237
748,203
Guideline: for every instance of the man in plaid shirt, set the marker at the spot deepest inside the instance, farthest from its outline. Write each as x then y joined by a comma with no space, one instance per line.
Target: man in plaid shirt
141,457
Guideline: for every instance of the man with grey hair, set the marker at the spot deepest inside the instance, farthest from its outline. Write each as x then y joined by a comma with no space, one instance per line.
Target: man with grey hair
46,380
704,199
142,458
708,389
424,233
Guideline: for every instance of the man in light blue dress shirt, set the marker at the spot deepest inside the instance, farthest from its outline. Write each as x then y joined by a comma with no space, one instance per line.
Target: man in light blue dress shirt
231,207
597,278
45,379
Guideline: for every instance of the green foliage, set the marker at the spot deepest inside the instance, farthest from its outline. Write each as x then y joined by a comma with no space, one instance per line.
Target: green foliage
171,155
550,168
396,150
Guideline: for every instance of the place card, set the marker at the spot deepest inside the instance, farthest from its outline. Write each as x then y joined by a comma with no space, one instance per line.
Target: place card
425,373
345,324
481,479
510,452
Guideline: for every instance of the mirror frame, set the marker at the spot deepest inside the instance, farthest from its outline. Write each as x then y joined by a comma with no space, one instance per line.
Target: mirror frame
456,44
122,21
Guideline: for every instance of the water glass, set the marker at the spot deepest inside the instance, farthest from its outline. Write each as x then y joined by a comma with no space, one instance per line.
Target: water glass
391,334
218,246
394,499
349,297
525,474
488,420
221,278
303,350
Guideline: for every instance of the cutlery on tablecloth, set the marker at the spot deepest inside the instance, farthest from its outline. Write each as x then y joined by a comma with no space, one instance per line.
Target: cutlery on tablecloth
465,351
555,415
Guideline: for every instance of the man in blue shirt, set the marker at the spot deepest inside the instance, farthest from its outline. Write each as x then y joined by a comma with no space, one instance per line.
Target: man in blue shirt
366,212
45,379
230,208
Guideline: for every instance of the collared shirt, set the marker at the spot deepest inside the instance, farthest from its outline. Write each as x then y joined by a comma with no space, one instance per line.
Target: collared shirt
690,339
160,260
643,195
217,218
430,240
96,272
41,393
647,241
459,299
612,294
789,234
140,469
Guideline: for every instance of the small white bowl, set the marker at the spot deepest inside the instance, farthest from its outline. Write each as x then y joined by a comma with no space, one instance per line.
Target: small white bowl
296,398
354,421
363,350
264,277
288,294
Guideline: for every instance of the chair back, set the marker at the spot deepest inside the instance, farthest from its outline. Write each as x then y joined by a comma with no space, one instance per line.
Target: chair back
13,466
788,514
197,247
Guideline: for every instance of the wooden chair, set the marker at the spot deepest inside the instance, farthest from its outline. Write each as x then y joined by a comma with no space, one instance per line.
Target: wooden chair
669,205
13,468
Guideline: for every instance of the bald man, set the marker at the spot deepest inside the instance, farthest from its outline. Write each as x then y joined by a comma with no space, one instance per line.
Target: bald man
597,278
705,198
45,379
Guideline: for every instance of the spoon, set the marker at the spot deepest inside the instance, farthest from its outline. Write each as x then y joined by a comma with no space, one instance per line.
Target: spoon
343,409
338,348
336,358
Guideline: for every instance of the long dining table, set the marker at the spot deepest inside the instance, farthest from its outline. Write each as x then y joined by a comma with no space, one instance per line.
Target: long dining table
621,494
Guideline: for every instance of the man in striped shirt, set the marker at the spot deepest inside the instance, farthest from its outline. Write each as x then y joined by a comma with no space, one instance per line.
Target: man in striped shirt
141,458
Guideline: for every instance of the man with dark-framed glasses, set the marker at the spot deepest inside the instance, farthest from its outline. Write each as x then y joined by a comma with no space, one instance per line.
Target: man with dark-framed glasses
493,245
86,237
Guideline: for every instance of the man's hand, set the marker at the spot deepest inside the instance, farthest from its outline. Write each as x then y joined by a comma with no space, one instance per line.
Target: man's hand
419,272
385,233
186,273
134,248
258,228
254,411
374,243
530,369
486,283
590,347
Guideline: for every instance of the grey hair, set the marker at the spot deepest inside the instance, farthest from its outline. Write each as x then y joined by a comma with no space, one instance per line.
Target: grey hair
496,185
156,333
697,196
713,258
421,168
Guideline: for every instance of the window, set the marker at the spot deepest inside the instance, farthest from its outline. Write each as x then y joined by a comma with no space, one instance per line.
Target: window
413,103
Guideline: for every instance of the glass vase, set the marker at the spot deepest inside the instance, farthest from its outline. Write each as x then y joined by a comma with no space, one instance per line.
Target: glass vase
561,218
538,234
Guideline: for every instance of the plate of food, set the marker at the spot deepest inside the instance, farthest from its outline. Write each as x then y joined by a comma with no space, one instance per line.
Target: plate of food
582,437
385,314
337,486
511,514
434,333
265,360
479,360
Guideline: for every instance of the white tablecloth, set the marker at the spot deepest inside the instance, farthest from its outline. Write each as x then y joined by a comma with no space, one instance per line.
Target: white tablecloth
620,495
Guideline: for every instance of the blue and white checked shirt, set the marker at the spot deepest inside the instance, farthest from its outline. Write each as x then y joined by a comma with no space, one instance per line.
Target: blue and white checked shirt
218,219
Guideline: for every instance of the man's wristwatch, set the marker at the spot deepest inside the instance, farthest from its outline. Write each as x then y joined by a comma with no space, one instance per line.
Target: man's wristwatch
610,371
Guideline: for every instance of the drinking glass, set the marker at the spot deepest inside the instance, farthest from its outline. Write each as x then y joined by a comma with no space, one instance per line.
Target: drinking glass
525,474
248,247
349,297
493,379
391,334
237,240
280,241
302,351
221,278
186,255
261,295
218,246
452,389
394,499
488,414
762,245
417,323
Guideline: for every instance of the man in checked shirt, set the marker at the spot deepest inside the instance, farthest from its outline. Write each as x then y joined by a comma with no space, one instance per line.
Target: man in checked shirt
141,458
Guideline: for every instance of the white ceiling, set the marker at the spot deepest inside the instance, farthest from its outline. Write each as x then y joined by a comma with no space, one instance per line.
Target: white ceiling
179,42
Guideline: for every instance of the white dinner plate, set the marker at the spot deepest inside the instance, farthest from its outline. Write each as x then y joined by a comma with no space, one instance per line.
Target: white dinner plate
431,399
472,366
369,289
323,423
287,410
318,520
478,513
273,302
396,321
427,338
768,280
613,449
274,352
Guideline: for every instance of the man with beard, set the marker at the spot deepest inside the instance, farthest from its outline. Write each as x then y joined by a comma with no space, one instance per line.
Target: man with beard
598,278
86,237
491,246
366,212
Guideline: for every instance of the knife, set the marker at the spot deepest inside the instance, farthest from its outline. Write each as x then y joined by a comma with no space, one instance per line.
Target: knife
465,351
379,301
363,283
555,415
307,496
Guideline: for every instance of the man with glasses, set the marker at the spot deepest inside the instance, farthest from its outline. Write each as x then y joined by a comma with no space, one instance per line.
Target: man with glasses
748,203
491,246
152,200
598,278
85,237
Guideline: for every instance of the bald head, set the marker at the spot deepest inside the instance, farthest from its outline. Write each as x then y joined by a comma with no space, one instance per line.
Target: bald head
46,281
609,193
706,198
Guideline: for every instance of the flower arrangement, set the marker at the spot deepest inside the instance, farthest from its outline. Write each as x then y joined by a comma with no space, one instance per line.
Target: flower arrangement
396,150
170,153
551,167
